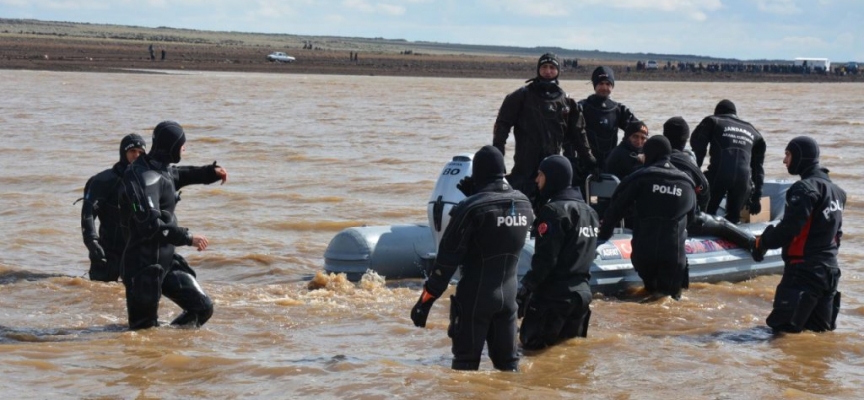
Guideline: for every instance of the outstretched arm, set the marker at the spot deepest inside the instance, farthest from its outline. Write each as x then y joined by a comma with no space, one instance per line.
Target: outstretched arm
204,175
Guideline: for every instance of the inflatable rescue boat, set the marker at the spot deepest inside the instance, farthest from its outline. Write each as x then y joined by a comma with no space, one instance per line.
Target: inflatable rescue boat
408,250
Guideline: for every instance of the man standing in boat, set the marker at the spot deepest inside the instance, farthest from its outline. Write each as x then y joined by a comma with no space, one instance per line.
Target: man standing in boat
737,152
604,116
151,267
545,121
663,200
102,202
809,233
555,295
485,236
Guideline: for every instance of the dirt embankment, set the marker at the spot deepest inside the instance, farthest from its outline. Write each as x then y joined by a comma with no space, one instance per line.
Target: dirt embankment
62,52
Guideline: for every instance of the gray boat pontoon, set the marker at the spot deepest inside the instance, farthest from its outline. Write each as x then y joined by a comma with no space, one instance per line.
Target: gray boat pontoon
408,250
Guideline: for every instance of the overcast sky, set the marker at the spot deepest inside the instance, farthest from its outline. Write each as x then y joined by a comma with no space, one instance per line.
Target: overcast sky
743,29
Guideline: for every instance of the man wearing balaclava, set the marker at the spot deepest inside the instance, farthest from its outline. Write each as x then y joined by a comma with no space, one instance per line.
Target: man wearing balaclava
545,121
604,116
485,236
555,294
737,151
151,267
662,200
809,233
627,156
101,201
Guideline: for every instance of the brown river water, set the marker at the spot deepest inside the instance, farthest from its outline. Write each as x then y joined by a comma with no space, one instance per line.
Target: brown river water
310,155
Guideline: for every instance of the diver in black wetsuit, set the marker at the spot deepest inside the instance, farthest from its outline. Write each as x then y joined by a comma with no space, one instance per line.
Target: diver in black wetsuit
627,156
545,121
604,116
809,233
101,201
664,201
485,237
555,295
737,151
677,131
151,268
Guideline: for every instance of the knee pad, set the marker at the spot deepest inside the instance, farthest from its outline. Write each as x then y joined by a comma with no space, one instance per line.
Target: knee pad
455,320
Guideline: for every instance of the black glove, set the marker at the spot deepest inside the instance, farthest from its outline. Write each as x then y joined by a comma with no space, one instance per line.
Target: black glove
755,204
97,254
421,310
757,250
523,296
466,186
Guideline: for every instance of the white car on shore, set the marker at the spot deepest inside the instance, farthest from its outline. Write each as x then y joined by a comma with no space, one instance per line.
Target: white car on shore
280,57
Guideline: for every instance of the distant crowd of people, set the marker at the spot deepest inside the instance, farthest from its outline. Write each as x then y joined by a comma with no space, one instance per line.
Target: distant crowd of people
741,67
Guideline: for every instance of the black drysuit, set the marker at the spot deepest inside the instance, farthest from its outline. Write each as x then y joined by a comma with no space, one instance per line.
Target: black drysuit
150,269
623,160
809,233
737,152
485,237
663,200
603,118
545,122
101,201
565,245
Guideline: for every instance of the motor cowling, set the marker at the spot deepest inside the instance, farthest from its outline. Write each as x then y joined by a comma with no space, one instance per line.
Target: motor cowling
446,195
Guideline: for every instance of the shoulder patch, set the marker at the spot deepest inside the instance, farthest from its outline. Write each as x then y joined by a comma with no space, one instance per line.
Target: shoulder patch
542,228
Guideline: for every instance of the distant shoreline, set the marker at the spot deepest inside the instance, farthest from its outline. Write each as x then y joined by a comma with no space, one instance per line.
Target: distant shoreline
36,45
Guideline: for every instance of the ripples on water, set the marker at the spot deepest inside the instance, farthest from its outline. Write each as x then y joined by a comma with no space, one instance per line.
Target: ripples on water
310,155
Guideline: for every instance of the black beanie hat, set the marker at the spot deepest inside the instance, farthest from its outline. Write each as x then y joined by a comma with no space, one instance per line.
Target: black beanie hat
602,74
558,172
131,141
633,127
725,107
488,166
656,148
677,131
804,153
168,139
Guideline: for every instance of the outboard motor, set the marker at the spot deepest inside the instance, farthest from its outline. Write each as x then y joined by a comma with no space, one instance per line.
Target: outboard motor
446,195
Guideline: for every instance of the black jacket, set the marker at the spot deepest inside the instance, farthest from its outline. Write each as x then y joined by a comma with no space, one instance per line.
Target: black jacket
603,118
737,151
812,223
485,237
623,160
102,201
544,121
664,202
565,244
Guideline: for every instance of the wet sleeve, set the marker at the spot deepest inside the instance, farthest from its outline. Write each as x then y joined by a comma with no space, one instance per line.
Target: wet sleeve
757,159
800,200
550,235
576,145
451,250
508,114
622,199
147,220
700,139
89,208
187,175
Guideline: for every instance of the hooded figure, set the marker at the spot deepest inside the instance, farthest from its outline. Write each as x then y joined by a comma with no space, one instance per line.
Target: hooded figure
737,152
603,116
809,234
101,201
663,202
151,267
544,122
626,157
485,236
555,294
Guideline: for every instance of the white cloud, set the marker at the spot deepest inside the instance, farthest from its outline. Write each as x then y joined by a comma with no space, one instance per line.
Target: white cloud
376,8
783,7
